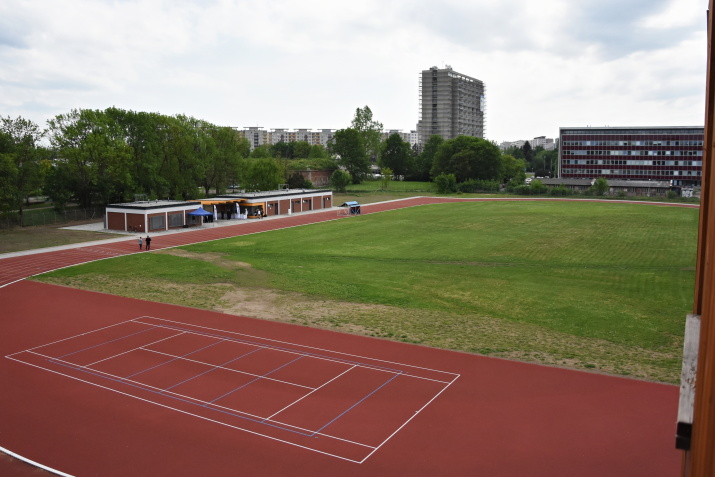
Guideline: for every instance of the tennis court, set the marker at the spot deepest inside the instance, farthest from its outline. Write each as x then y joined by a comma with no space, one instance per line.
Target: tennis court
324,401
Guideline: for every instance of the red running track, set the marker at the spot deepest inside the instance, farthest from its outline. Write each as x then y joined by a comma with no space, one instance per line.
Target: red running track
500,418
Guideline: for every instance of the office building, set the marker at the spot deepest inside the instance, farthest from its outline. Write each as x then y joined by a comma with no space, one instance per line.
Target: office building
633,153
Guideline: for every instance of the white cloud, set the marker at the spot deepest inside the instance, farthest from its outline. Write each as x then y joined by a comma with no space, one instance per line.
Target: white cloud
278,63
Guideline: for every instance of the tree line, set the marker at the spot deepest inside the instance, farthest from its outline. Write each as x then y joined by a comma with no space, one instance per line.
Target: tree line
99,157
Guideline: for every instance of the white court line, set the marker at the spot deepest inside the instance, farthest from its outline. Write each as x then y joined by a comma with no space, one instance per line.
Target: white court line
322,385
229,369
258,420
192,414
294,352
408,420
322,350
190,399
76,336
134,349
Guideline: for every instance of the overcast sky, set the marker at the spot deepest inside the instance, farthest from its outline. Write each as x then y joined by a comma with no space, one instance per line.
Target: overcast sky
311,63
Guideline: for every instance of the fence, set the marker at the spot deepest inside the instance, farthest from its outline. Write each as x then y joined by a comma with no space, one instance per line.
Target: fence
38,217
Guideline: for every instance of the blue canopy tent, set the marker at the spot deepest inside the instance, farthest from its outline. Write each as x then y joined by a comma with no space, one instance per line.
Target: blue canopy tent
200,212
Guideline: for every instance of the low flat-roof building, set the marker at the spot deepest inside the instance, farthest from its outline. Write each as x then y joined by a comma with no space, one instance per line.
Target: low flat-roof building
617,187
149,216
280,202
162,215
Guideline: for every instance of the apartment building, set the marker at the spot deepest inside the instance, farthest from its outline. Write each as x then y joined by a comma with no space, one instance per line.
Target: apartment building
451,104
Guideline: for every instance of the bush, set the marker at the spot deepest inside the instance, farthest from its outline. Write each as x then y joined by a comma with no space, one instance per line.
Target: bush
477,185
560,191
521,190
446,183
537,187
297,181
340,180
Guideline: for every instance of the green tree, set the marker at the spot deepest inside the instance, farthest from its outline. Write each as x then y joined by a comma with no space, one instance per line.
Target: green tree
318,152
263,151
446,183
281,149
143,133
349,146
513,169
20,157
396,155
516,152
545,162
385,177
528,154
59,185
370,130
467,158
424,160
339,180
93,147
297,181
262,174
301,150
182,164
600,186
537,187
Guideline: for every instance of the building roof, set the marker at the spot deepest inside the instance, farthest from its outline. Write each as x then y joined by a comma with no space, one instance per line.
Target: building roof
153,204
565,181
611,182
268,194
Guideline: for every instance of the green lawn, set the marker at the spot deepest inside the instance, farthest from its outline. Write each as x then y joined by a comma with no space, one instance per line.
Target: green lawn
580,284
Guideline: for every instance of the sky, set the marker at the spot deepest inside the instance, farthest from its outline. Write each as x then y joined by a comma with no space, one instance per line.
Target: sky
311,63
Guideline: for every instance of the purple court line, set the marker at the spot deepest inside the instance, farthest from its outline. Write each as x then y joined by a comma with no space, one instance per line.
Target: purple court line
119,379
178,357
282,348
360,401
214,368
153,327
259,377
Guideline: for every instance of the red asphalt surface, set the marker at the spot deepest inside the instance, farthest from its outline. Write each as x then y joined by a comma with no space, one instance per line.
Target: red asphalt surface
499,418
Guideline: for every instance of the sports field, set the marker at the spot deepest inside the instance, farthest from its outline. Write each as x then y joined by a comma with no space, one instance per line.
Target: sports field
591,285
105,385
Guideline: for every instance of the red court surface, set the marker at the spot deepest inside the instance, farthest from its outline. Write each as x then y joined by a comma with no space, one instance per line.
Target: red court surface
96,384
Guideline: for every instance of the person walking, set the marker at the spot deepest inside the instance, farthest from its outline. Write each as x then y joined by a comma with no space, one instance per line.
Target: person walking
140,244
148,242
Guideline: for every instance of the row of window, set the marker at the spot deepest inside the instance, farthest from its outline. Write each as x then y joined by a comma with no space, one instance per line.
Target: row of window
632,163
632,153
635,143
626,172
659,132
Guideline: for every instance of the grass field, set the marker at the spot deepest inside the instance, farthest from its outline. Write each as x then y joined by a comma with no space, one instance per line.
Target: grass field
601,286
